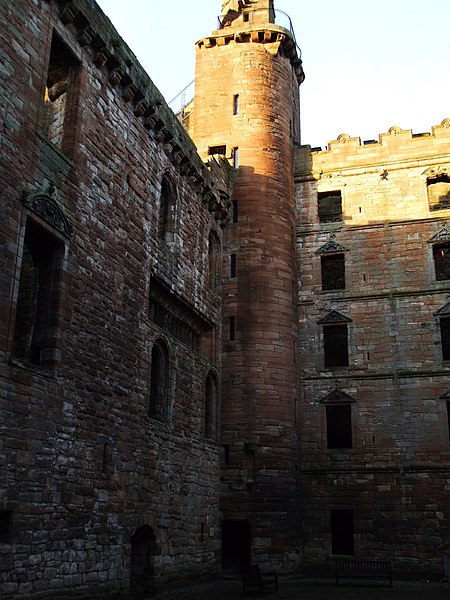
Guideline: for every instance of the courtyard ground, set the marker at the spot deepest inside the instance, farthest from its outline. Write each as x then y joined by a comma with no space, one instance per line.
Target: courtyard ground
311,589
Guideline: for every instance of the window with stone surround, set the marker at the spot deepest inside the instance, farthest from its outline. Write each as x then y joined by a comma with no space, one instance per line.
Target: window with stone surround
236,104
438,189
221,150
235,211
159,382
335,339
210,406
233,265
59,122
214,251
329,206
341,529
333,271
37,296
167,211
441,256
339,426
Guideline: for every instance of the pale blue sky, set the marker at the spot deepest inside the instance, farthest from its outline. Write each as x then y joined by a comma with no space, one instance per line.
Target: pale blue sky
369,65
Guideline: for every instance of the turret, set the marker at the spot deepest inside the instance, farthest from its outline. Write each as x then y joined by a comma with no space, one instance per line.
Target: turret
247,109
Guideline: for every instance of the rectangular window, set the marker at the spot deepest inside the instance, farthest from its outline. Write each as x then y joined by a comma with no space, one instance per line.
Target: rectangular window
441,256
236,104
342,542
339,426
233,265
438,189
226,454
6,520
235,213
235,158
335,344
37,298
59,109
445,338
333,272
222,150
232,328
330,207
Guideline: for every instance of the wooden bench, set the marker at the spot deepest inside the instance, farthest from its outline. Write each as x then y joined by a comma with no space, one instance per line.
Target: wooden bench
253,578
363,569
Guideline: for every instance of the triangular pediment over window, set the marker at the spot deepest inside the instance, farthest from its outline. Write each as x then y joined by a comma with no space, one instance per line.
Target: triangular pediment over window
334,317
441,236
337,397
444,311
331,247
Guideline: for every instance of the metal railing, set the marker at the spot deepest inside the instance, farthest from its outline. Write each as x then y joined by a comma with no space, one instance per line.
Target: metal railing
182,99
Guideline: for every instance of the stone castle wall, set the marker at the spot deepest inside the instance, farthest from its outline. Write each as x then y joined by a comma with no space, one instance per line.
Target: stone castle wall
394,477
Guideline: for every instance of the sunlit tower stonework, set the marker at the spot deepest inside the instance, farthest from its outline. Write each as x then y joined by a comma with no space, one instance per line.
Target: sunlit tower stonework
248,73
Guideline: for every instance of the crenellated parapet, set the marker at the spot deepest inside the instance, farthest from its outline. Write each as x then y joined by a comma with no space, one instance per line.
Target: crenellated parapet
97,37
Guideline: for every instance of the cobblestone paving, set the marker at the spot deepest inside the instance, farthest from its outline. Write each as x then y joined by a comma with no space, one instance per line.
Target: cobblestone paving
300,589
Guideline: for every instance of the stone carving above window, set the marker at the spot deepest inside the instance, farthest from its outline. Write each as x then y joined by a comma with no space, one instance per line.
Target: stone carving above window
334,317
441,236
330,247
44,204
337,397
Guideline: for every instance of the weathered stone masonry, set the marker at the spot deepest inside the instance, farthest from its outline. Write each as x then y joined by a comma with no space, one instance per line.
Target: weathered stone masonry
106,214
390,472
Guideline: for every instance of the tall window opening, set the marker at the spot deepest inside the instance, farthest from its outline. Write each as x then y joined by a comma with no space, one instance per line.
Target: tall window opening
236,104
342,537
441,256
6,523
330,206
232,328
235,213
233,265
167,211
438,189
339,426
445,337
213,260
159,382
37,298
210,406
235,155
448,419
59,100
333,271
335,345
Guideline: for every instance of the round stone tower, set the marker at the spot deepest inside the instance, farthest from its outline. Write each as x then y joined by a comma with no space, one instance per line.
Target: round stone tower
246,108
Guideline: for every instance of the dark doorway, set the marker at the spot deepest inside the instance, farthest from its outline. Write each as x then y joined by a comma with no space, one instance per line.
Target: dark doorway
141,569
342,532
236,541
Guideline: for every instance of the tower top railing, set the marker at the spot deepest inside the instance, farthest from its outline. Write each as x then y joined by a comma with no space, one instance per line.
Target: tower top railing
280,18
182,99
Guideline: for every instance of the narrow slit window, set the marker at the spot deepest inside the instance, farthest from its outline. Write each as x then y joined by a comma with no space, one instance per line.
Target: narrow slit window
233,265
448,420
235,212
6,521
232,328
235,158
236,104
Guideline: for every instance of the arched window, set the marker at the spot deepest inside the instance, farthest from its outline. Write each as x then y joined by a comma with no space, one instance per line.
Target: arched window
213,259
167,211
210,406
159,382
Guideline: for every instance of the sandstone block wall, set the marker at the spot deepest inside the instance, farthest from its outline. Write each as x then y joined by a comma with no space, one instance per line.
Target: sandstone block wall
394,477
83,466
